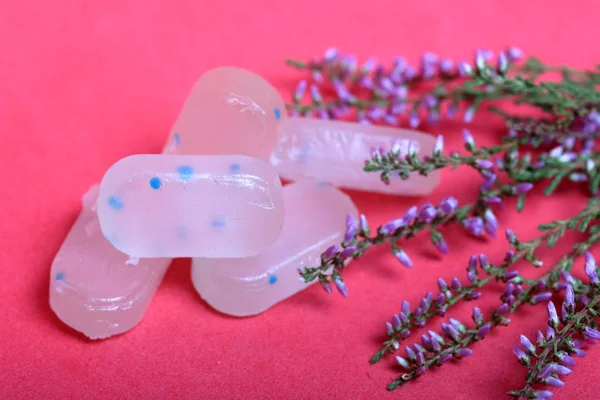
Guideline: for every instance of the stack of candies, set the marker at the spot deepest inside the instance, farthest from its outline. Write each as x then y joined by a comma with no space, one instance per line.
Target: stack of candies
215,195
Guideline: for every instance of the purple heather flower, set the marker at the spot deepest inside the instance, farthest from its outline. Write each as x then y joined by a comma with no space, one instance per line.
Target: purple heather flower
410,215
300,90
351,228
510,275
550,333
410,354
413,119
342,91
527,345
488,181
561,369
565,359
446,66
520,354
315,94
341,287
331,54
514,53
317,76
472,276
552,315
420,371
462,353
451,332
396,324
474,226
427,213
403,258
331,251
509,256
398,108
426,342
546,371
502,63
410,73
472,264
578,177
438,147
555,382
366,82
542,394
541,297
473,296
442,284
376,113
390,119
484,330
403,314
469,115
569,303
468,139
405,308
484,164
441,245
567,157
522,188
401,92
327,287
503,309
364,225
448,205
578,344
392,226
323,114
510,236
459,326
389,329
491,223
464,69
486,54
387,85
539,338
455,284
347,252
429,58
402,362
589,165
591,333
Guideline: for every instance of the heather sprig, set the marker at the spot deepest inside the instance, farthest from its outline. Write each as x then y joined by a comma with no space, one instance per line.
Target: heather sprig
551,357
534,291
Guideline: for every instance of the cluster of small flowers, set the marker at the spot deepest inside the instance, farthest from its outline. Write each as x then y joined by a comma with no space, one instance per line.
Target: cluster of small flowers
553,352
387,88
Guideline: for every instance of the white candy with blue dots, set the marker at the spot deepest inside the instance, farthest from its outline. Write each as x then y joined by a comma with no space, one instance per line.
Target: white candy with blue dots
153,206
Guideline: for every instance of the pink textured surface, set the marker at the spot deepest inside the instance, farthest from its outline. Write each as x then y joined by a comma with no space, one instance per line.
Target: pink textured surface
85,83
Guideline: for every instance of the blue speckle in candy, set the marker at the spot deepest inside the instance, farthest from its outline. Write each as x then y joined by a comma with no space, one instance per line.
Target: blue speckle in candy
176,139
277,112
272,279
60,276
115,203
185,172
218,222
155,183
235,168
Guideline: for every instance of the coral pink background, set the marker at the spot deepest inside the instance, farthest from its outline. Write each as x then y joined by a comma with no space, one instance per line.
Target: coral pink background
84,83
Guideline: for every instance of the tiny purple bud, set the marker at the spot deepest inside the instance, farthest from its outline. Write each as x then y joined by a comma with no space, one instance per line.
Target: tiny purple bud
522,188
546,371
591,333
502,63
520,354
440,299
300,90
469,115
473,296
462,353
402,362
405,308
488,182
483,261
331,251
410,215
480,61
420,371
341,287
315,94
389,328
474,226
448,205
347,252
509,256
484,330
590,267
438,147
420,358
426,342
477,316
484,164
442,285
552,315
468,139
464,69
327,287
403,316
539,338
331,54
541,297
413,119
510,236
555,382
442,246
364,225
317,76
550,333
542,394
427,213
472,277
527,345
510,275
565,359
503,309
455,284
403,258
451,332
410,353
514,53
396,322
446,66
561,369
568,277
569,303
472,263
391,226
